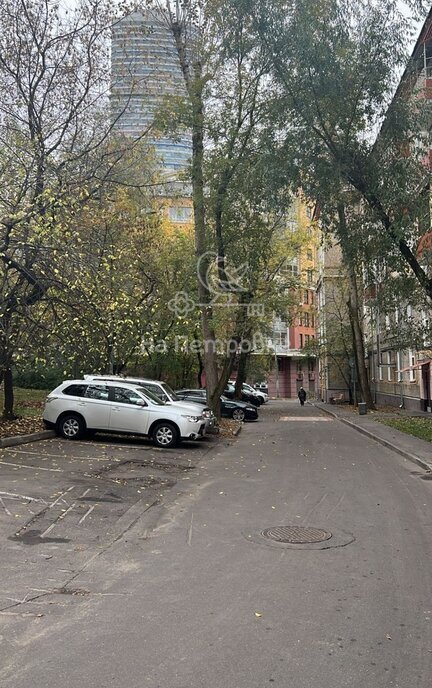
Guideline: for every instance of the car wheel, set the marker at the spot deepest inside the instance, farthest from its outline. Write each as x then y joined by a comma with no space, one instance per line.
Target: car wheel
165,435
238,414
71,427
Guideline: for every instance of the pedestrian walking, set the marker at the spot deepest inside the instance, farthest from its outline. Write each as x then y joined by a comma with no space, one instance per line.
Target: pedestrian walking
302,396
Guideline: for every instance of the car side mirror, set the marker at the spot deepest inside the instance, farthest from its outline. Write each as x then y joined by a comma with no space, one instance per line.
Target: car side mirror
141,402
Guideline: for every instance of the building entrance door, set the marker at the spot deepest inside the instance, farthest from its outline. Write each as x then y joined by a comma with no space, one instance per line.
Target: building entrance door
425,388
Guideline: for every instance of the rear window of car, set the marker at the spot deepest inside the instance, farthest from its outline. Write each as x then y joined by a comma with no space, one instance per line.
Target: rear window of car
75,390
97,392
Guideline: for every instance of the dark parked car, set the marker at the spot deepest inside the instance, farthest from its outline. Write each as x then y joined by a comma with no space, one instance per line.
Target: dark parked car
230,408
249,398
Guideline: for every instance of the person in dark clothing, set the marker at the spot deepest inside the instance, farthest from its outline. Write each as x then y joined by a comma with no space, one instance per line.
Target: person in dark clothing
302,396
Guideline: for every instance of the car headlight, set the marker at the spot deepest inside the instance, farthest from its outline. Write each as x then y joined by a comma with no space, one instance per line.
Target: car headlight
208,413
193,419
250,408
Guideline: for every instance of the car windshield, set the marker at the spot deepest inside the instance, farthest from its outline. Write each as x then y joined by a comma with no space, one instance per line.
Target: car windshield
171,394
152,397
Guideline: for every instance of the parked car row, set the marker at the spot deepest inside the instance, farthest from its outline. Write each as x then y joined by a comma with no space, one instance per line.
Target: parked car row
255,396
230,408
136,406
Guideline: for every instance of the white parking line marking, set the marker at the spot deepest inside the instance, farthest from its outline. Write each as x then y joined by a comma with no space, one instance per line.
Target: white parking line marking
57,456
60,518
33,468
311,419
5,507
86,514
61,496
14,495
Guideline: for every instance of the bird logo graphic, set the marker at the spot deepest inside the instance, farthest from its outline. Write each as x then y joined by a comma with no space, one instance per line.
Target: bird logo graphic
219,278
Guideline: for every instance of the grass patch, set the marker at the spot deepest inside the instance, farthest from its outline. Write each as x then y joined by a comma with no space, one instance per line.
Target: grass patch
28,402
419,427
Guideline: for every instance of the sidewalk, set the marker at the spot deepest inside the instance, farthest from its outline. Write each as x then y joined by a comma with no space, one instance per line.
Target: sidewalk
412,448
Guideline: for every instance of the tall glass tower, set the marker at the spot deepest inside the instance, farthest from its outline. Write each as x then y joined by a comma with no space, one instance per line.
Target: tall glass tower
144,70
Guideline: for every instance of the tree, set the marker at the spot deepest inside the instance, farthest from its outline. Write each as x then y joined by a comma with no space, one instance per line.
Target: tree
55,149
238,197
337,64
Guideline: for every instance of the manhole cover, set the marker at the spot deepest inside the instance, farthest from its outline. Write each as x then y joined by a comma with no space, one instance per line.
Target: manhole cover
296,535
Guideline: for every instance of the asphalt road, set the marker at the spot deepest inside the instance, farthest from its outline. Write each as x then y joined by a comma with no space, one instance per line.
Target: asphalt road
192,595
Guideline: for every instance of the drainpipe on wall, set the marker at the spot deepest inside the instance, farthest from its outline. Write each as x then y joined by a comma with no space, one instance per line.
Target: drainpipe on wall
277,373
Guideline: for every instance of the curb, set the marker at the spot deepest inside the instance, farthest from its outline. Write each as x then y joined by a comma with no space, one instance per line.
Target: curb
24,439
407,455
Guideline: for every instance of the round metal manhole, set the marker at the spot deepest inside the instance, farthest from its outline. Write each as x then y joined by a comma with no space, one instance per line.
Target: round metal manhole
296,535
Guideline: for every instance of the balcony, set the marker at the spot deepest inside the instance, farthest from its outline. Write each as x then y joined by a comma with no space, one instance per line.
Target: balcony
285,350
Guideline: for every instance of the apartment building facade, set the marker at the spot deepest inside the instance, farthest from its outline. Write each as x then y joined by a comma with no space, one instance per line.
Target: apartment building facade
293,342
399,375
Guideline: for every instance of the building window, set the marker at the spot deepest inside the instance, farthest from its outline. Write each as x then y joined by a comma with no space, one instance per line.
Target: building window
306,319
291,267
180,214
399,366
306,296
301,341
309,254
389,367
309,212
280,338
307,339
309,276
412,361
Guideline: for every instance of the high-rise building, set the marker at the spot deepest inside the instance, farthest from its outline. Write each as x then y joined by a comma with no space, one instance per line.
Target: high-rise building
145,72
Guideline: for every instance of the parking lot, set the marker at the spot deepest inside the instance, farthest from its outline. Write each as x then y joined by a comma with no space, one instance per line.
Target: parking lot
62,503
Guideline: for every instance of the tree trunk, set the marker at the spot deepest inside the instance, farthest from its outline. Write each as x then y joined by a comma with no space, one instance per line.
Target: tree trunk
354,313
8,406
224,375
200,368
241,373
193,78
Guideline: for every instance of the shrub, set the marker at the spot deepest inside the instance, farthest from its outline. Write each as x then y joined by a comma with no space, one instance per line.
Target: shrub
38,378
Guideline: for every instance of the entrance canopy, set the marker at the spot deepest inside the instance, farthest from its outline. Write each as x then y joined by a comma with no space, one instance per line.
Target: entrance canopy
419,364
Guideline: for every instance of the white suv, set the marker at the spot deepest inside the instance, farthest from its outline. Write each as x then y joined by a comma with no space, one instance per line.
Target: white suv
165,394
79,406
